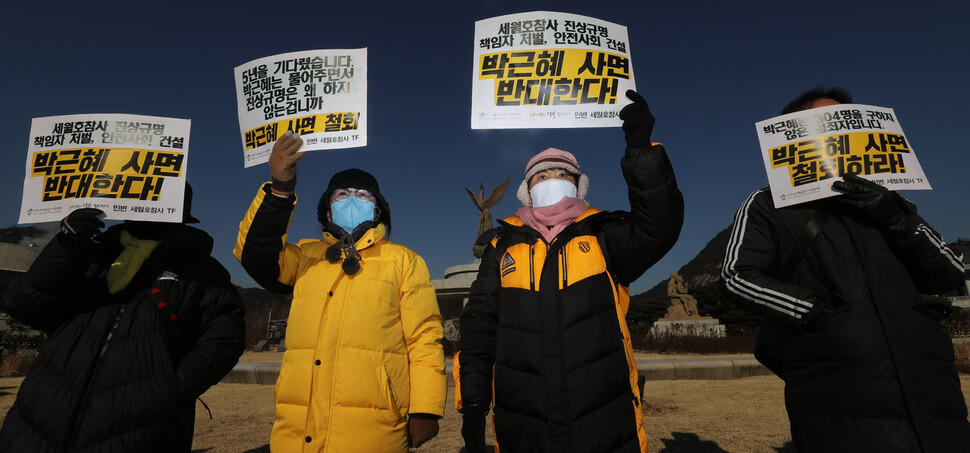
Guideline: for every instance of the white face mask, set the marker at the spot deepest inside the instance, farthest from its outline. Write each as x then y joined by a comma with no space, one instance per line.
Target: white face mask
549,192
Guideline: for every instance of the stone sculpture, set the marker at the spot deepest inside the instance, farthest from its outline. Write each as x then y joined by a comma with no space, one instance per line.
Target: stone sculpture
682,304
484,206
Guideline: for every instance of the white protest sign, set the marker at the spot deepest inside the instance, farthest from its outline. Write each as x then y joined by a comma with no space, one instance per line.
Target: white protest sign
319,94
547,69
804,152
132,167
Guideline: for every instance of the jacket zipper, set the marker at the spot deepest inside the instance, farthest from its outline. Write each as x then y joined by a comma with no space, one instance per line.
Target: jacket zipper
90,381
562,258
532,269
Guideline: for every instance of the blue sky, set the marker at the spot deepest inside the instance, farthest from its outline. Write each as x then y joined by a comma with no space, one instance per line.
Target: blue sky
709,70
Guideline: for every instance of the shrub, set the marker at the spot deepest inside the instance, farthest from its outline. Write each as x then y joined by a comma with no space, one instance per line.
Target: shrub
645,310
452,336
16,365
450,347
255,331
737,341
957,321
961,352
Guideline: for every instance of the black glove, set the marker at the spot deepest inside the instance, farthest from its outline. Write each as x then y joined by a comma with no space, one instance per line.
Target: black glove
883,208
473,429
67,261
82,224
637,121
822,310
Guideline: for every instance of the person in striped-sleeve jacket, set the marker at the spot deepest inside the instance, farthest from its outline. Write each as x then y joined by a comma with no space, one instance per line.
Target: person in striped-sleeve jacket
865,362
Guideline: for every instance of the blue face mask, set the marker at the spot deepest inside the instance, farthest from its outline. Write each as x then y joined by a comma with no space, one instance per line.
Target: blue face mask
351,212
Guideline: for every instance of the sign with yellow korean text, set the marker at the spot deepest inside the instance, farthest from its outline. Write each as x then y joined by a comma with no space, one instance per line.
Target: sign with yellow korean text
132,167
319,94
804,152
549,70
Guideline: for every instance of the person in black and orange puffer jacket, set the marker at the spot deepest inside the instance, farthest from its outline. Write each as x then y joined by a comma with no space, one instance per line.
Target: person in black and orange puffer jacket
548,307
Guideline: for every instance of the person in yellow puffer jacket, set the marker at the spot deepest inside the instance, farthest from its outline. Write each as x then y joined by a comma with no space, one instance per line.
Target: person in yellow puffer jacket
364,369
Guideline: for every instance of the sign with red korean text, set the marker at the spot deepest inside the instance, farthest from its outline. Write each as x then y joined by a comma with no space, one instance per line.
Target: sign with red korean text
319,94
804,152
132,167
546,69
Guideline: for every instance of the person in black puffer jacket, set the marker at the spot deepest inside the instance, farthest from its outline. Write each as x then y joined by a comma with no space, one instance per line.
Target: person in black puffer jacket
547,312
866,365
141,320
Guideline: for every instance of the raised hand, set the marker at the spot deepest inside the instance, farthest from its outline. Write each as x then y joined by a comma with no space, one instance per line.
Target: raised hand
878,205
637,121
282,163
82,224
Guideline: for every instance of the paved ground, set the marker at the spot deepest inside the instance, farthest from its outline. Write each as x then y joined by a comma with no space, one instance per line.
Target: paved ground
263,368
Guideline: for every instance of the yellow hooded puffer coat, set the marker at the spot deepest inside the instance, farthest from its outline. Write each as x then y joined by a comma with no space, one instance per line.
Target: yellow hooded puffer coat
363,350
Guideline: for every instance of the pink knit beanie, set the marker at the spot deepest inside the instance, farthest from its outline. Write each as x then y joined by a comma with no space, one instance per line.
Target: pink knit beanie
552,158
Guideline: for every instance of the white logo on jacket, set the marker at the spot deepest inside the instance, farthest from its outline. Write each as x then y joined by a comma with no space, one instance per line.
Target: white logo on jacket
168,275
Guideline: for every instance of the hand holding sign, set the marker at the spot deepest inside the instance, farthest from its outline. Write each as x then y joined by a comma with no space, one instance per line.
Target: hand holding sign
82,224
877,204
637,121
805,151
282,163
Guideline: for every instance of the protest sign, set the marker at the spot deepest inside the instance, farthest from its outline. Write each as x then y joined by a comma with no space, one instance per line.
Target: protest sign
319,94
547,69
132,167
804,152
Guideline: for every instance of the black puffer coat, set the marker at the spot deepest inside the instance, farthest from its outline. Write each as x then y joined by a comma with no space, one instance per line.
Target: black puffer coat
121,372
550,319
866,364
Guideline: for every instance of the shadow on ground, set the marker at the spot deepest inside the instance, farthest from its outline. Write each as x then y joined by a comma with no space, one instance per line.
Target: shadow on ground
488,449
263,449
789,447
689,443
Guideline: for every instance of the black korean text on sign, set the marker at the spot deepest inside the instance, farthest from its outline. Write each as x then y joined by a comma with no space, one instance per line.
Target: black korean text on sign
533,32
71,132
862,153
554,76
521,32
322,122
297,85
823,123
105,172
261,135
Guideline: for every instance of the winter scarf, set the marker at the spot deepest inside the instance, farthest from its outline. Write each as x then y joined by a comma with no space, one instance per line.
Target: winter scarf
551,220
128,263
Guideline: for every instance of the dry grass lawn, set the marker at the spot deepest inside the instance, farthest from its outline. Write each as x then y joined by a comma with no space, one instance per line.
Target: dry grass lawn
743,415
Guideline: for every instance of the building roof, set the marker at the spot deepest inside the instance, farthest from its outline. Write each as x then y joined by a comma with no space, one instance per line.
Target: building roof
17,258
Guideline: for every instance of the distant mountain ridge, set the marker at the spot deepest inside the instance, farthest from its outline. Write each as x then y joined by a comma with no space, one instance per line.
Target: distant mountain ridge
703,269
